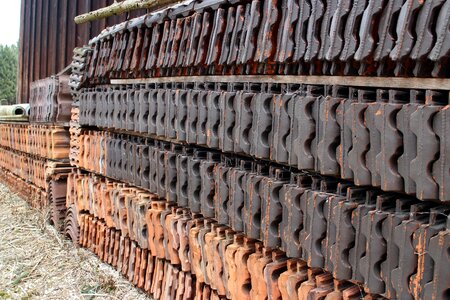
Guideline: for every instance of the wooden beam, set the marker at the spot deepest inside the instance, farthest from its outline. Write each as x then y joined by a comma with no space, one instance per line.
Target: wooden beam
356,81
121,7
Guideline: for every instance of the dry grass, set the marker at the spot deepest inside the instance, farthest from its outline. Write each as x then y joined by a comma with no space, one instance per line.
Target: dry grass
36,262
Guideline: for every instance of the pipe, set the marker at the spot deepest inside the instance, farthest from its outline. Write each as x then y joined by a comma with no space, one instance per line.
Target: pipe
15,110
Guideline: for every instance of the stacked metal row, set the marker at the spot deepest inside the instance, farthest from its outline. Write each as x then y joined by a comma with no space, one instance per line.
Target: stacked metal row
71,225
50,100
257,187
216,258
24,171
370,37
78,66
34,195
48,144
371,136
57,192
42,140
163,280
74,130
292,212
28,168
34,156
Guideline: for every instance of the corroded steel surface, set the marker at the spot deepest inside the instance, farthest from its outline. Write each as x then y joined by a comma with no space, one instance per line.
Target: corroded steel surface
371,136
48,35
246,188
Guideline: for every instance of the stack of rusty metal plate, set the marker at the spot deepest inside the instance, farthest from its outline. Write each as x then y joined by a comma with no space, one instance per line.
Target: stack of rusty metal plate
50,100
265,149
78,66
289,37
34,155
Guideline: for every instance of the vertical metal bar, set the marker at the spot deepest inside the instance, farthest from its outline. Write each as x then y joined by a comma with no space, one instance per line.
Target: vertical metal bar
38,38
62,36
44,50
52,36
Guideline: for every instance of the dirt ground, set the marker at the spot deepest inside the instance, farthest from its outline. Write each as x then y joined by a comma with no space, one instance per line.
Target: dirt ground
36,262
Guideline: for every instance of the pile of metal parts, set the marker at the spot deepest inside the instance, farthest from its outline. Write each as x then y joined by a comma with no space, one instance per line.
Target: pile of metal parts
326,223
40,140
50,100
78,66
267,181
370,136
261,187
215,37
34,155
35,196
26,169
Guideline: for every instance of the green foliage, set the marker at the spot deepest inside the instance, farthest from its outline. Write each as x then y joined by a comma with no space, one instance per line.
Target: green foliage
9,57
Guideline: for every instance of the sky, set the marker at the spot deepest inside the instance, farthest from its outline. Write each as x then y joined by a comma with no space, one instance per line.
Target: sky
10,22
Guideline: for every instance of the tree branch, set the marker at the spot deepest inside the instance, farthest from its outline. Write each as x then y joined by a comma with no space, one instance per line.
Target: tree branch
121,7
